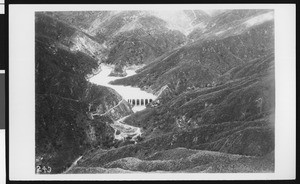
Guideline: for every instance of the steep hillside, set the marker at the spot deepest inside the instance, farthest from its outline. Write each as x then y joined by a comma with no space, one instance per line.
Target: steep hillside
65,100
197,17
233,101
252,138
141,40
227,21
122,38
69,36
215,104
140,46
234,122
200,64
234,117
182,160
79,19
104,101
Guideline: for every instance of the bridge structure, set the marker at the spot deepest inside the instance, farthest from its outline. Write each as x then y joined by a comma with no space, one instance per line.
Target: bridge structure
139,102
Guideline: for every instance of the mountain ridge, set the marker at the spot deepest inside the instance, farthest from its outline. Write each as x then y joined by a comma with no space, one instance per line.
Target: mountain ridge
215,108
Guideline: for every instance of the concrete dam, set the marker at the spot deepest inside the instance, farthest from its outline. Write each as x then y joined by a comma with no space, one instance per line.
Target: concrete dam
139,102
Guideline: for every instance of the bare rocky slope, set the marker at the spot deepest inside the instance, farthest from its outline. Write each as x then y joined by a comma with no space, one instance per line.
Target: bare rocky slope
225,21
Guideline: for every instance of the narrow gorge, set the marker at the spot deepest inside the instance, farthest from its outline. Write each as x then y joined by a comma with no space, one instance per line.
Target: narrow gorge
184,91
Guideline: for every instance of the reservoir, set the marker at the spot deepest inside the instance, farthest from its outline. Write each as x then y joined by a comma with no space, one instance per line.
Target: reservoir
127,92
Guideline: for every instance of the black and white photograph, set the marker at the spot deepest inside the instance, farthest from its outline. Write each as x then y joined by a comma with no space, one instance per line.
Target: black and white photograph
155,91
125,91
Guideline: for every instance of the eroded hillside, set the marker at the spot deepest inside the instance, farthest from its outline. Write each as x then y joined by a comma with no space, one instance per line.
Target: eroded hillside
215,89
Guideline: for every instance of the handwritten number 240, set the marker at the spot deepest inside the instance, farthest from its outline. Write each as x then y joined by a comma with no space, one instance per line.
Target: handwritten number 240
43,169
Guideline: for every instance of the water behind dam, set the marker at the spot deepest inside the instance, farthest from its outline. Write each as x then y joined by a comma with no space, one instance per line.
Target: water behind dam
127,92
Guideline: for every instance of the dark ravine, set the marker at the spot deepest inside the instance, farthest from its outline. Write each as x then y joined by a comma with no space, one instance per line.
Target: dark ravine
65,99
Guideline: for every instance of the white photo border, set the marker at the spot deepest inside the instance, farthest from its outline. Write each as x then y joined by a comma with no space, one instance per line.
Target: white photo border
22,93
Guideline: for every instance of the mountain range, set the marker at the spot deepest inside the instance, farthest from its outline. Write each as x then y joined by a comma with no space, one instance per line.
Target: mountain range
213,74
